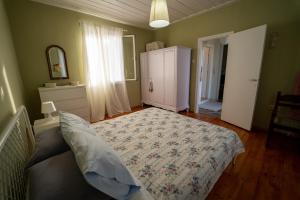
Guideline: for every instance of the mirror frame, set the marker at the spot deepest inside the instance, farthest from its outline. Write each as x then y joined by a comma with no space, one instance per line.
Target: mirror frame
134,58
49,62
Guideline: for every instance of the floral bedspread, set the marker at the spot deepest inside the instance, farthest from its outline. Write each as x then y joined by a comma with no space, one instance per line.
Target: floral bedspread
174,156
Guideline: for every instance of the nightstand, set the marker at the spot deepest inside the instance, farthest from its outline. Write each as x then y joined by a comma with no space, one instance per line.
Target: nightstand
41,125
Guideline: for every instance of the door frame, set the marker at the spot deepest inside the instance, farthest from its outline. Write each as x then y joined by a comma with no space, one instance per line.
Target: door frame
198,71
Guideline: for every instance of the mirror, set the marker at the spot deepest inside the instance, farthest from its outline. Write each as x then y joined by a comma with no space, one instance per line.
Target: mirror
57,62
129,57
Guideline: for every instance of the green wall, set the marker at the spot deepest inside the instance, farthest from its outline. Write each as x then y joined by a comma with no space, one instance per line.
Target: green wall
10,80
35,26
280,63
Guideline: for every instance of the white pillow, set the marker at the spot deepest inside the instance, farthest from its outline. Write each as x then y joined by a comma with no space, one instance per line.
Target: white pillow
73,120
99,164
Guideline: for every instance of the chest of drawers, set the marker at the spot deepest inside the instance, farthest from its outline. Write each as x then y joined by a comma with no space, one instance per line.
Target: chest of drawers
72,99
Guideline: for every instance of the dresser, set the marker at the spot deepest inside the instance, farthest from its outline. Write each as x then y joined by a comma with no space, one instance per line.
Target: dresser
72,99
165,78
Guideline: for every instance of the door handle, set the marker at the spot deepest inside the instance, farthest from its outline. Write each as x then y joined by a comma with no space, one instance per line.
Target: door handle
150,86
253,79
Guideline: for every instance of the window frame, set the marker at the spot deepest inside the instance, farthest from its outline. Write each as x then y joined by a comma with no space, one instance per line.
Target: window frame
134,57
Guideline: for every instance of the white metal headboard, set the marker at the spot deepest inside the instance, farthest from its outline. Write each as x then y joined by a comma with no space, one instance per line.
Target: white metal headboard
16,145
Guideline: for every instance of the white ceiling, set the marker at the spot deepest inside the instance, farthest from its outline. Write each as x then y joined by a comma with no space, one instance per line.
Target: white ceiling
136,12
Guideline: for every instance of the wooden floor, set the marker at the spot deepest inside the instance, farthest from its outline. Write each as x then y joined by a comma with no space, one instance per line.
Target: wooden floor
259,173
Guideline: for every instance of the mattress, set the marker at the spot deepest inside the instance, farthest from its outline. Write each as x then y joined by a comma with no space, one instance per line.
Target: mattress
173,156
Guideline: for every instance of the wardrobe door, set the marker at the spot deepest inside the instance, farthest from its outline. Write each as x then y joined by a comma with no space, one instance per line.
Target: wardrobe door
170,77
144,77
156,69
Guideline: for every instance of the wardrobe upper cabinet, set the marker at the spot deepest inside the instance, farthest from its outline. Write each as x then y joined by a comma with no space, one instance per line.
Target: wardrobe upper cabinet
165,78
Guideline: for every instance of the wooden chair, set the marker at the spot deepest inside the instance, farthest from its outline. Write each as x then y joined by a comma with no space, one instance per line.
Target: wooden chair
289,121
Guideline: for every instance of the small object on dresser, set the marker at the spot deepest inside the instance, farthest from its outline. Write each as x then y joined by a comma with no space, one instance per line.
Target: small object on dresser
50,85
42,125
74,83
48,108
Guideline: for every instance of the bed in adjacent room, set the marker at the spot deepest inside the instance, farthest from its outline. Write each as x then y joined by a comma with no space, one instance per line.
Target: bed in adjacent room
174,156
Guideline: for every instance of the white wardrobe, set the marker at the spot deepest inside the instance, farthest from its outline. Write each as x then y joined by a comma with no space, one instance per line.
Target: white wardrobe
165,78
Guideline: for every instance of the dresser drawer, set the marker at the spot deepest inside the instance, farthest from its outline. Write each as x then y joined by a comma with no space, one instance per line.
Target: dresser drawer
81,112
71,104
63,94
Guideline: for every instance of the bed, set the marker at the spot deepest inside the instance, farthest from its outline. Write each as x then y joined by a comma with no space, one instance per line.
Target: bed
173,156
16,145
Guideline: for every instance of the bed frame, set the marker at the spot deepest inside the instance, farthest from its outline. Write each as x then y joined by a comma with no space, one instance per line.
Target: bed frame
16,145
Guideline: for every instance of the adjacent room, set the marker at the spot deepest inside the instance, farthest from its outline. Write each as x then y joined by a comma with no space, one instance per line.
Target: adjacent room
149,99
212,59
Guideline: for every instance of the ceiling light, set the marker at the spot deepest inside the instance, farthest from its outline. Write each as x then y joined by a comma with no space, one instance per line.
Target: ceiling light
159,16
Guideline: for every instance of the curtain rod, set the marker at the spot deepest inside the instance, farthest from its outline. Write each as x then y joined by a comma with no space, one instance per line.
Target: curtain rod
124,30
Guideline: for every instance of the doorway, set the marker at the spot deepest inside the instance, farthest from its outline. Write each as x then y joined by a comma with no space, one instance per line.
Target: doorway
213,58
237,81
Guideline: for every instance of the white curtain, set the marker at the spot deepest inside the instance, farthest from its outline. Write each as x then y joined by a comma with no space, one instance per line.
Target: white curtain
104,70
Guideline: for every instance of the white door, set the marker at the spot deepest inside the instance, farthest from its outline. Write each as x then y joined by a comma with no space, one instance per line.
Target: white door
156,73
169,78
245,53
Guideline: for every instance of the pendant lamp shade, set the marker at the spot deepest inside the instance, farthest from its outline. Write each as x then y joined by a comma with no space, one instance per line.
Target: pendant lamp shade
159,16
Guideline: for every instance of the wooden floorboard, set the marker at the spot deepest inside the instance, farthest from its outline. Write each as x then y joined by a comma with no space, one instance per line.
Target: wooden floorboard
259,173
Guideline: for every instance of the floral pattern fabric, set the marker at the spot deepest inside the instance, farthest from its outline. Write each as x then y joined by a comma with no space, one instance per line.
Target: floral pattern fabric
174,156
